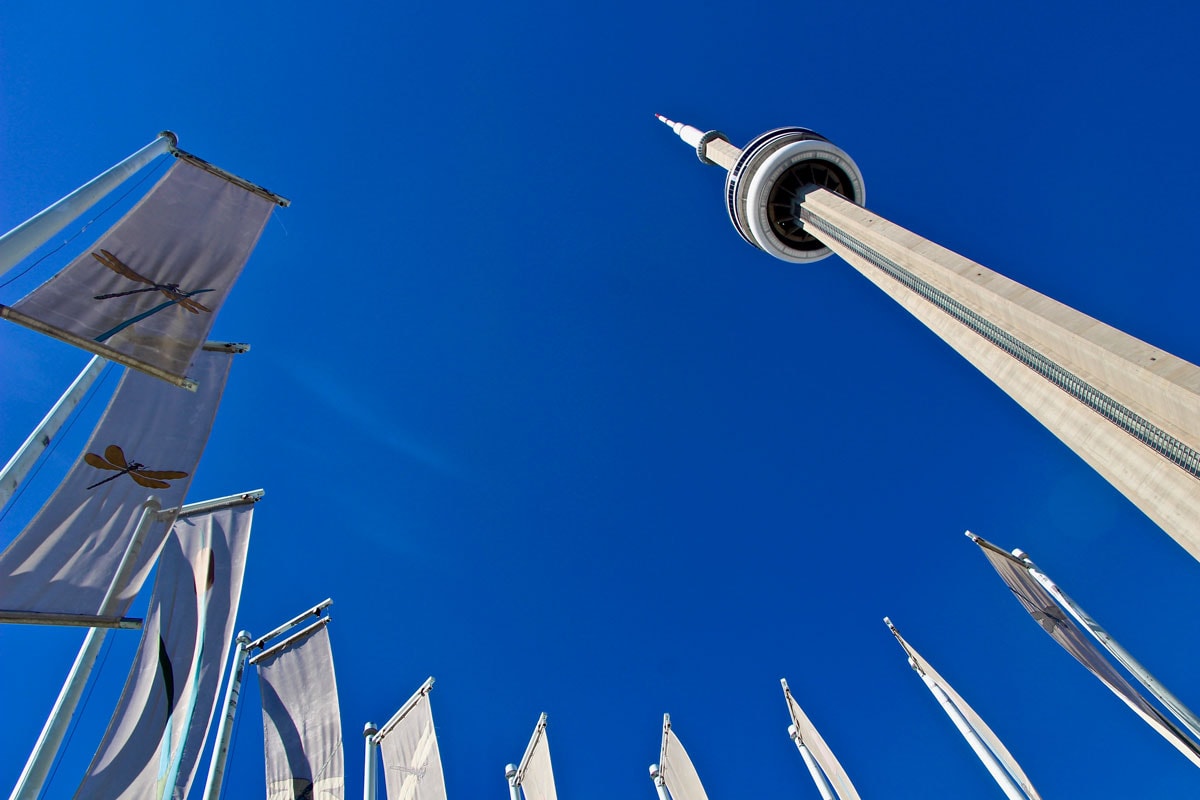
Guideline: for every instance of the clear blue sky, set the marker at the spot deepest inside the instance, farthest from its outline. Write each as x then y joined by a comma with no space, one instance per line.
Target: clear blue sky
544,427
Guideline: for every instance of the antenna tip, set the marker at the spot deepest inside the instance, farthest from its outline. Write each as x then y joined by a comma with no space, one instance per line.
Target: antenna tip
971,536
654,770
887,621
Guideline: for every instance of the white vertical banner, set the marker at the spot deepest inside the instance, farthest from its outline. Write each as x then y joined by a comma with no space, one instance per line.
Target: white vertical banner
157,732
1054,621
535,774
147,292
412,764
302,723
147,444
990,740
807,734
676,768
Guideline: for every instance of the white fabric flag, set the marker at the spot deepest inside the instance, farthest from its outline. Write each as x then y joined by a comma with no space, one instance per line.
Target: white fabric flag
153,743
974,720
408,743
302,723
146,293
821,753
1054,621
676,768
535,775
147,445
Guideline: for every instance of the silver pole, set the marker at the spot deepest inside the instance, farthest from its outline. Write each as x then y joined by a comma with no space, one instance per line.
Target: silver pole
1164,695
660,784
815,771
23,460
510,772
370,771
33,777
998,772
37,230
233,692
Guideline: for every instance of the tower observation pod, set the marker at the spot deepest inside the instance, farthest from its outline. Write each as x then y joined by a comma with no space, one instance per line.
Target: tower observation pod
768,180
1129,409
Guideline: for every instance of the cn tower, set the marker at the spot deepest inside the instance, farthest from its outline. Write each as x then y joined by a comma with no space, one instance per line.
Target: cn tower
1128,409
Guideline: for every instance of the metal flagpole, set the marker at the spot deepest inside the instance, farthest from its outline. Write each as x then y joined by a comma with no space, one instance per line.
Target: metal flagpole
37,230
1173,703
997,770
33,777
233,692
660,783
510,772
370,766
23,460
815,771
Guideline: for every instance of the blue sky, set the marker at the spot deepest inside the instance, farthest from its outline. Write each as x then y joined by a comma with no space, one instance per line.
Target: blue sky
544,427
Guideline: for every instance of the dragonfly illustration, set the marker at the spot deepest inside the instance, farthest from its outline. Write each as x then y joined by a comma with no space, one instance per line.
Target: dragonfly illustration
171,290
114,458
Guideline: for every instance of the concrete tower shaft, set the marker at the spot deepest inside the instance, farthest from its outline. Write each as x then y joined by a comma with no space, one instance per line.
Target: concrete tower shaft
1128,409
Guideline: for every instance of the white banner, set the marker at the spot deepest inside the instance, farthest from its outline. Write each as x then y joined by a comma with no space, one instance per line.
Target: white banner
821,753
157,732
676,768
147,445
535,774
302,722
1054,621
990,739
147,292
411,761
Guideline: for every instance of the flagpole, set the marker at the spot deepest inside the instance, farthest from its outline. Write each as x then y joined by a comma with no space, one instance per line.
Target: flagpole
510,772
23,460
660,783
817,775
233,692
33,777
37,230
1173,703
999,774
370,764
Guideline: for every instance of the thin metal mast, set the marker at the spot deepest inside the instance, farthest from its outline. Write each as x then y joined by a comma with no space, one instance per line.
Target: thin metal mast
370,761
27,455
660,783
510,772
233,692
37,767
814,770
37,230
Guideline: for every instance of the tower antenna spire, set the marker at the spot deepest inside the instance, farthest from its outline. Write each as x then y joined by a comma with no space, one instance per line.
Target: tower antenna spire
712,147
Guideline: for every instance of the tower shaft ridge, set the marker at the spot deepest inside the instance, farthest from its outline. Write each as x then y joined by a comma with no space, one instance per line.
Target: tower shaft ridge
1130,410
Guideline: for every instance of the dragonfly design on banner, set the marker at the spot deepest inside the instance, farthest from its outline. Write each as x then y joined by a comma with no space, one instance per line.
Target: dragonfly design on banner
417,772
172,291
114,459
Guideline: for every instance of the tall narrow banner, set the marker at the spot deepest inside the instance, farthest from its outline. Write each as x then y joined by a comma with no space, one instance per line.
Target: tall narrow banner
676,768
1054,621
408,743
821,753
147,445
157,732
535,774
146,293
302,724
990,739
